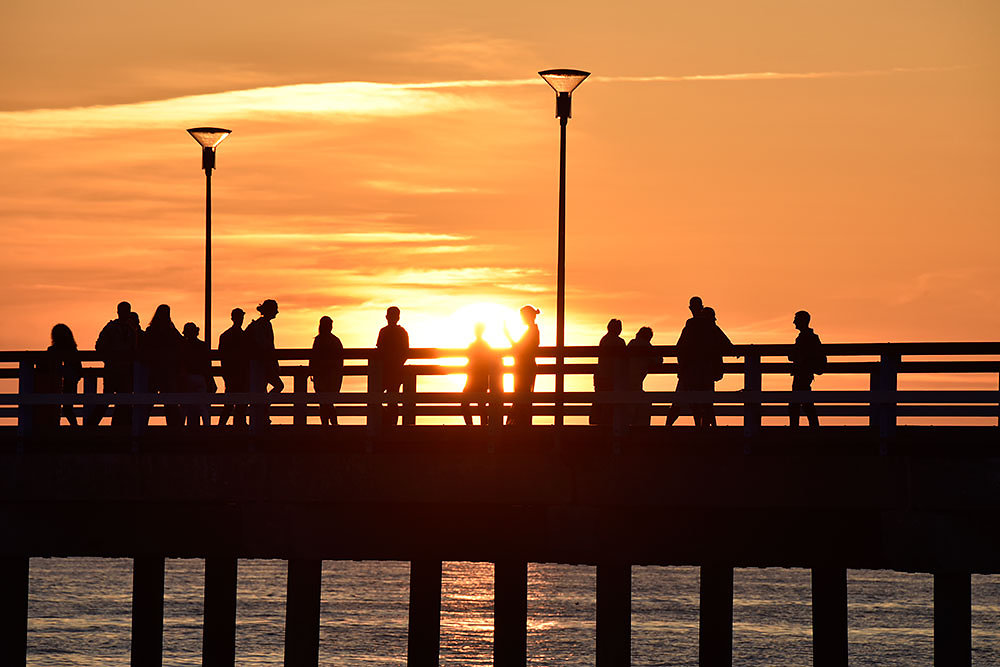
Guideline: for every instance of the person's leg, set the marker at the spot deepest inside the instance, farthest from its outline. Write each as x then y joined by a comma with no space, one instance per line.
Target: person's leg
677,407
804,383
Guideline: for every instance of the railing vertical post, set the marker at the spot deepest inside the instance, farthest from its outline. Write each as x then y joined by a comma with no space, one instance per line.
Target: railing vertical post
218,642
409,396
300,385
14,610
424,632
374,396
140,385
25,387
952,619
715,623
302,613
510,613
147,611
752,383
614,614
888,369
829,613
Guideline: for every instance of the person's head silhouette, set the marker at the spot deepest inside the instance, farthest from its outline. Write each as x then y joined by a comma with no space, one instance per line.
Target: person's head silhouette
708,314
801,320
529,313
124,308
237,316
62,337
133,320
644,334
268,309
325,324
161,316
615,327
191,330
392,315
695,305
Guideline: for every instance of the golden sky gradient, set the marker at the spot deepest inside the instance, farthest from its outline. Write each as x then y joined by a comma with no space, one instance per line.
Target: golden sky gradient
840,157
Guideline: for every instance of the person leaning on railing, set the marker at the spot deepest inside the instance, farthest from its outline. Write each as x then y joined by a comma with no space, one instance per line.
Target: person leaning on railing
58,372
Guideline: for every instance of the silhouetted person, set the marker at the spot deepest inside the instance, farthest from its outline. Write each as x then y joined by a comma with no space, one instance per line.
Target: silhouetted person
58,373
641,360
610,370
196,374
264,368
525,367
326,366
161,353
393,345
808,360
234,352
482,374
116,344
699,357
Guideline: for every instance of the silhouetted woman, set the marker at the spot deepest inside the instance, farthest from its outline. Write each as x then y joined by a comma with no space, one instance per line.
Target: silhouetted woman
196,374
525,367
160,351
263,359
59,373
326,366
482,374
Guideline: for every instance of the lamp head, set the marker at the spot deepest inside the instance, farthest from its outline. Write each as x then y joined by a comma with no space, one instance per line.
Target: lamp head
564,82
208,138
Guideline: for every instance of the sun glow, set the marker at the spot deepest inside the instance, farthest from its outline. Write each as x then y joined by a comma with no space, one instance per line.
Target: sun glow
460,328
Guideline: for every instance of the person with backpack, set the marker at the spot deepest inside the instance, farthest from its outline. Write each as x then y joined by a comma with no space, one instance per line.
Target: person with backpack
808,361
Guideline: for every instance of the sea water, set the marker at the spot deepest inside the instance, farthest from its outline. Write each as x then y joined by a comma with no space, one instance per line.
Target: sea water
80,614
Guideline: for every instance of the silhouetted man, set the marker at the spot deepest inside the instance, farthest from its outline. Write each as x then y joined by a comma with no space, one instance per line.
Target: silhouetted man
393,345
264,369
699,357
610,369
808,360
326,366
117,346
641,360
235,355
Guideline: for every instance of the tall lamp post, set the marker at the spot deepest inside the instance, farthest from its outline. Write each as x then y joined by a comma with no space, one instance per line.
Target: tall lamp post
208,138
564,82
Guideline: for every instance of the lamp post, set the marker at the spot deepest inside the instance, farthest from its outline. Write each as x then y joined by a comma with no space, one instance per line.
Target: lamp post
208,138
564,82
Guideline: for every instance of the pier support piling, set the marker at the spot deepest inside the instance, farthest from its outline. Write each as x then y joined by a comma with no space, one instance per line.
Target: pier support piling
715,635
829,612
147,611
14,610
614,614
424,632
952,619
302,613
510,614
219,629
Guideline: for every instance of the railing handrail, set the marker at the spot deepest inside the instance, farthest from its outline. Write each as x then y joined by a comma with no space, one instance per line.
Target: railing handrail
976,348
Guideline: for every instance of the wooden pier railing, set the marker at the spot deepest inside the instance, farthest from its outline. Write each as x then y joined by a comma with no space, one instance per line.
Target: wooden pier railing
872,492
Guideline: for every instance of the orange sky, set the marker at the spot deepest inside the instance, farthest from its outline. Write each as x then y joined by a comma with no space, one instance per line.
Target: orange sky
858,180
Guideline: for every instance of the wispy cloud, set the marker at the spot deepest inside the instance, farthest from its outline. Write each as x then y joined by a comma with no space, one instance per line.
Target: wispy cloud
347,100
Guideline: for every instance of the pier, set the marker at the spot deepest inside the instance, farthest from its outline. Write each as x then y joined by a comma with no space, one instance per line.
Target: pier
908,479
